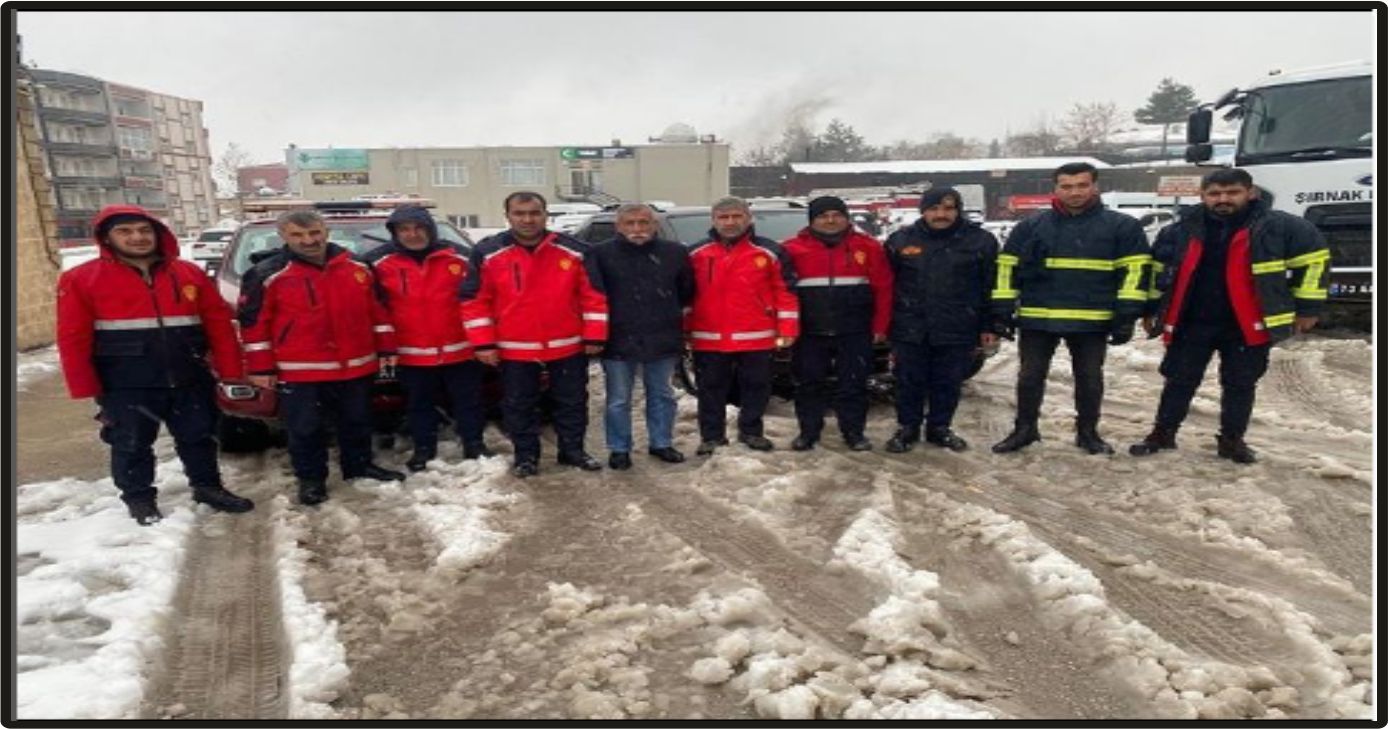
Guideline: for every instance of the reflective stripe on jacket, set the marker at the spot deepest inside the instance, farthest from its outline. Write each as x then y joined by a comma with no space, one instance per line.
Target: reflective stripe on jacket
742,295
844,288
424,300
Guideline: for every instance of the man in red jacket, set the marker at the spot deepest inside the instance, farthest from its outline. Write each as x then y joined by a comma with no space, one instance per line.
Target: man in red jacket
134,328
311,322
743,310
421,279
531,309
844,284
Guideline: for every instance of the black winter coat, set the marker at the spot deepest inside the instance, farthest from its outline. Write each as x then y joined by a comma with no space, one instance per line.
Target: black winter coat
942,287
647,288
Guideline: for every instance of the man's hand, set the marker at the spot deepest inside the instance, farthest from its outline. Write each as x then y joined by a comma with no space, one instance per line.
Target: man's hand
1121,334
879,339
1149,325
389,361
784,342
592,349
1304,324
988,340
489,357
264,382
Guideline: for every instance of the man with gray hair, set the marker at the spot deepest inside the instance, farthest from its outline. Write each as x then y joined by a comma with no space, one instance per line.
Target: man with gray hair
743,310
313,328
648,282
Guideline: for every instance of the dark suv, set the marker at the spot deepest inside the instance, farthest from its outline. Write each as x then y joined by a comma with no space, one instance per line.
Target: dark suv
250,414
692,224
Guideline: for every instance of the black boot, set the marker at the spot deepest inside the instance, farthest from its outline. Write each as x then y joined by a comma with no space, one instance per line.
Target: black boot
476,450
1087,438
904,439
1023,435
1160,439
377,473
667,454
803,443
580,459
144,513
220,499
945,438
312,492
707,447
857,443
525,467
420,458
1235,450
756,442
619,461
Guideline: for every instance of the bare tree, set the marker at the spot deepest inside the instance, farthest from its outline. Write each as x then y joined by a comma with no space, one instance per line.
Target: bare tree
224,171
1039,141
1087,127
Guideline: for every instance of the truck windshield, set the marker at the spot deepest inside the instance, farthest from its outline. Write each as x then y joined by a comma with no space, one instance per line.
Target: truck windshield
1313,120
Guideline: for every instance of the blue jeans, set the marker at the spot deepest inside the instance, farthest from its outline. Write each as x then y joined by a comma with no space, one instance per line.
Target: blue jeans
619,376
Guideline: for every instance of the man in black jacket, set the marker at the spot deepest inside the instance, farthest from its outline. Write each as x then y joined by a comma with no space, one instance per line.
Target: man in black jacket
649,282
943,266
1081,274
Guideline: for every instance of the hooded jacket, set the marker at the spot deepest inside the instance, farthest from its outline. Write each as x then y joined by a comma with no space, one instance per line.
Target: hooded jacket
844,288
1074,273
311,323
742,295
944,281
422,292
118,329
647,288
534,304
1275,270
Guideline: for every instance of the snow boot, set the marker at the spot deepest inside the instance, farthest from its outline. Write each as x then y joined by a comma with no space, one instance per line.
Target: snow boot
1160,439
1021,436
1235,450
946,438
420,459
904,439
312,492
473,451
144,513
1087,438
222,500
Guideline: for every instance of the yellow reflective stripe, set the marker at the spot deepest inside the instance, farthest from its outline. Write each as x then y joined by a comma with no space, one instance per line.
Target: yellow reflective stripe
1270,266
1319,256
1279,320
1083,264
1008,259
1081,314
1002,289
1153,292
1126,295
1314,295
1158,266
1311,286
1005,293
1130,260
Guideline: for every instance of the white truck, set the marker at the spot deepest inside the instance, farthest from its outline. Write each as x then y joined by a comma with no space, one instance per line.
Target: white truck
1306,137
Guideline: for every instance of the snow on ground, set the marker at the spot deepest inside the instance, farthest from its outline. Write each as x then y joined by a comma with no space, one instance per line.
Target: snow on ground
35,364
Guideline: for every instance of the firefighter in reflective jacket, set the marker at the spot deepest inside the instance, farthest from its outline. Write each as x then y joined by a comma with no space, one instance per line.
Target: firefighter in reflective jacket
743,310
134,328
1232,277
531,309
312,324
844,285
1075,273
421,281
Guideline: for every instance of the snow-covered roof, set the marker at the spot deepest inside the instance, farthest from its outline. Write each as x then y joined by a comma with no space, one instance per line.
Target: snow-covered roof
940,165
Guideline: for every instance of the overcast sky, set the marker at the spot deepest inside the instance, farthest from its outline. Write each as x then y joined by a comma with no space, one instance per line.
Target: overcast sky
584,78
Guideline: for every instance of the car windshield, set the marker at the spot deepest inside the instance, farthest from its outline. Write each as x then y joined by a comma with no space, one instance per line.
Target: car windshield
778,224
357,236
216,236
1330,116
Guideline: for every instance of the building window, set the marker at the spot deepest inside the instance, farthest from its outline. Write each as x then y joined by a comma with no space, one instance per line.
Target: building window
135,138
82,167
131,107
523,172
448,173
409,176
464,221
82,198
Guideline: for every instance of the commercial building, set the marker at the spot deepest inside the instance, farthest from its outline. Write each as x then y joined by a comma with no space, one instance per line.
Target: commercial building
469,184
107,143
271,179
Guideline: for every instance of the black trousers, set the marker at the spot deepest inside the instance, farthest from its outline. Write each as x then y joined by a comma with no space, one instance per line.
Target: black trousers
814,359
130,420
1087,350
929,372
1240,368
568,390
461,383
716,372
307,408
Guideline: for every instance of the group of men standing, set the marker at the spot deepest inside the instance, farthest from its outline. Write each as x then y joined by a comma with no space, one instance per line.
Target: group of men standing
318,324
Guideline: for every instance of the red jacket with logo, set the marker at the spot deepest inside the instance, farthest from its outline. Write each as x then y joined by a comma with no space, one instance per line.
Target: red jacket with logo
844,288
308,323
117,329
534,304
422,299
742,295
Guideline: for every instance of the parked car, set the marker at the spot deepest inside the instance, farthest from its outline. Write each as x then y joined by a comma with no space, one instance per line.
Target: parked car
207,248
689,225
250,414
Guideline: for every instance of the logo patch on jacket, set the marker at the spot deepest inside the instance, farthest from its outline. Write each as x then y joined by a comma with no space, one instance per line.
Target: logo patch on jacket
361,277
455,268
860,257
762,262
565,264
911,251
190,292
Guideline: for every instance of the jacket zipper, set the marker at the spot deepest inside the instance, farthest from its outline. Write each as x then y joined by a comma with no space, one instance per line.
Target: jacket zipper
515,275
148,278
312,300
404,283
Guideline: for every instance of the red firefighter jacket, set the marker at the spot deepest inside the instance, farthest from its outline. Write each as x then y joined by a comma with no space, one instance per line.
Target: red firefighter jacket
844,288
742,295
422,299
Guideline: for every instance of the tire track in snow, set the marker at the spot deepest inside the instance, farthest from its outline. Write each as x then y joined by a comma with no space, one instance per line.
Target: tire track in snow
1292,381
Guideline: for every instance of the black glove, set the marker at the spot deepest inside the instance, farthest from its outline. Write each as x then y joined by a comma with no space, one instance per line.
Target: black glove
1121,333
1005,326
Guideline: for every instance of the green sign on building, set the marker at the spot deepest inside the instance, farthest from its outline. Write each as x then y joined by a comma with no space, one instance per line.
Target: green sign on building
332,159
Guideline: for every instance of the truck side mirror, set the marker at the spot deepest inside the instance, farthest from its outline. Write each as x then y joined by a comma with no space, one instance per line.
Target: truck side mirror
1197,153
1198,126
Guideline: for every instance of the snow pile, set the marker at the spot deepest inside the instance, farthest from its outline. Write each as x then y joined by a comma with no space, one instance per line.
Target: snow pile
35,365
318,667
93,592
455,502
